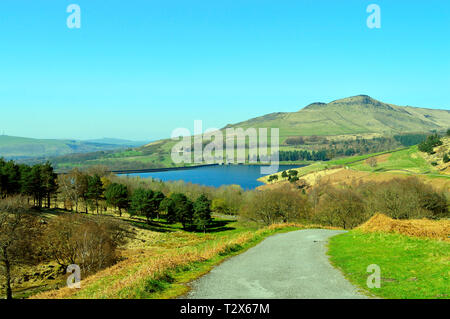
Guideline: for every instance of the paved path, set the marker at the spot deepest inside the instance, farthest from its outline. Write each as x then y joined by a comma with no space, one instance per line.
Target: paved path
283,266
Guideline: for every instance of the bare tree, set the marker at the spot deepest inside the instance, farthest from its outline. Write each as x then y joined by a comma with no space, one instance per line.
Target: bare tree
19,235
372,162
88,241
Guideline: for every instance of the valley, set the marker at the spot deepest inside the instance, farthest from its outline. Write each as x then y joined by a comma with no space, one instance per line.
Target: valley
328,130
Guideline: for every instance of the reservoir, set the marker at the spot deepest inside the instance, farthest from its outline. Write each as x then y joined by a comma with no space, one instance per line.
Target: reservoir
217,175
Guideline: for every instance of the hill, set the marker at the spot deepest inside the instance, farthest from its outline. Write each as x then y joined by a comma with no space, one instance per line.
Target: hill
354,115
13,147
340,121
117,141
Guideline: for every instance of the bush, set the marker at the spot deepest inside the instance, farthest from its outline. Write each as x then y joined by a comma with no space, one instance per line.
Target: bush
430,143
342,207
220,206
405,198
280,205
90,242
372,162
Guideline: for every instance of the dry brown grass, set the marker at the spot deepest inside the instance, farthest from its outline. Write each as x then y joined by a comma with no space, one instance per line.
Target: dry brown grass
141,265
146,261
383,158
336,177
415,227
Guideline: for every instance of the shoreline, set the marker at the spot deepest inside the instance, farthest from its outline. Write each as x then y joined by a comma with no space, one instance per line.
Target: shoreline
165,169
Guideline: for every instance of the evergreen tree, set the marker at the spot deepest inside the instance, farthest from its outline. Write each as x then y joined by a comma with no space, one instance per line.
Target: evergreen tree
183,209
95,190
117,196
168,206
49,184
143,203
202,212
158,198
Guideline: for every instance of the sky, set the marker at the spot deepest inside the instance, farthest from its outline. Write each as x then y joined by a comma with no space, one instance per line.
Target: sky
140,69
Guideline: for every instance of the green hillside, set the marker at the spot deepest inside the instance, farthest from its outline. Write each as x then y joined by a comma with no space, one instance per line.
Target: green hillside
354,115
339,121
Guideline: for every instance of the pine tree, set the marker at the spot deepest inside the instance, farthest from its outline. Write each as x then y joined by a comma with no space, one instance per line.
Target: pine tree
95,190
202,212
117,196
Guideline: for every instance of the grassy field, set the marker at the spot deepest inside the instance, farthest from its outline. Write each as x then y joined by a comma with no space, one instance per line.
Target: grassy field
408,160
410,267
162,258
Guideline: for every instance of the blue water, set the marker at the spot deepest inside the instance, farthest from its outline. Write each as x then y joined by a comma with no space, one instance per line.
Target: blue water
244,175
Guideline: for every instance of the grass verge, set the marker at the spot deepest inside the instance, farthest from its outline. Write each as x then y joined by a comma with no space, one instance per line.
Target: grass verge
411,268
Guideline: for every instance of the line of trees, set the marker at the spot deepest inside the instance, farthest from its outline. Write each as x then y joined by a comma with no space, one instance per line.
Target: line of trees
97,190
37,182
100,190
26,238
304,155
347,205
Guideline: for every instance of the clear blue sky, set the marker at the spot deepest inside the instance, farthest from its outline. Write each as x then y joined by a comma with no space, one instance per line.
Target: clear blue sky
139,69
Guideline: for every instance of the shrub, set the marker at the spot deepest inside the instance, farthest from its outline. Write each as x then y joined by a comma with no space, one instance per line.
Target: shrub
405,198
430,143
342,207
283,204
219,206
372,162
88,241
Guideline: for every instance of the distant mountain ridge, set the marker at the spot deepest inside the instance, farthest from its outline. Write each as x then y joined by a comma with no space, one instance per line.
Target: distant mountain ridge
117,141
13,147
353,115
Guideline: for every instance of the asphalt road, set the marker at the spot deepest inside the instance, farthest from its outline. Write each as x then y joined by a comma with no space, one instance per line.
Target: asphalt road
292,265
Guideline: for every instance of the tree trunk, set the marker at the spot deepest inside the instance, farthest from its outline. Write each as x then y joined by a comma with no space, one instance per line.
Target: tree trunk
7,274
